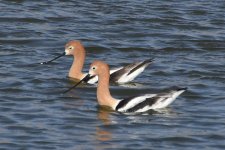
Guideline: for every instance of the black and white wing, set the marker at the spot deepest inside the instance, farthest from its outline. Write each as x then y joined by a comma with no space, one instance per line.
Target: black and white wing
129,72
149,101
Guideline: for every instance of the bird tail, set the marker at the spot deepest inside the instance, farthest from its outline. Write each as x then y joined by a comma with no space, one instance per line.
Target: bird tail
148,61
182,89
178,91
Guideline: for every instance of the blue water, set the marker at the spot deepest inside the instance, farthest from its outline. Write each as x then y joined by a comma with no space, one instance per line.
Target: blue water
187,40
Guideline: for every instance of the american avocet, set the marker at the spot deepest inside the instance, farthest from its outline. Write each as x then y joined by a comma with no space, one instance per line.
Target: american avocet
141,103
119,75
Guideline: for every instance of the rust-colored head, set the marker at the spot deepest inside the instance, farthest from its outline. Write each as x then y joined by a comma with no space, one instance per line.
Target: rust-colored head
99,68
74,47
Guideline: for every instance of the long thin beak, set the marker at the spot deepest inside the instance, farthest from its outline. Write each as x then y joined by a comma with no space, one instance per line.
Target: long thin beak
63,54
86,78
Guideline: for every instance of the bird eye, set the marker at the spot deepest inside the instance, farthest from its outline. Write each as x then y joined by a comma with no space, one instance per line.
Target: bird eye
71,47
93,68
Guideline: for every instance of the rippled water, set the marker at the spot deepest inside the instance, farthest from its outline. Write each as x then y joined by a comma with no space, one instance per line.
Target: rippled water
187,40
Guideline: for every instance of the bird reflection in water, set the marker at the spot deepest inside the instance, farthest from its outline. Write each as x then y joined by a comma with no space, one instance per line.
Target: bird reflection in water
101,131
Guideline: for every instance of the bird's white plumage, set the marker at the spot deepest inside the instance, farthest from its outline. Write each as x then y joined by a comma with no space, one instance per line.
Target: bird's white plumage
127,78
93,80
115,69
144,109
170,98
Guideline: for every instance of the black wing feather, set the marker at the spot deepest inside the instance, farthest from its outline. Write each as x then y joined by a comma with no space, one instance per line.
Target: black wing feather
146,62
124,102
117,74
147,102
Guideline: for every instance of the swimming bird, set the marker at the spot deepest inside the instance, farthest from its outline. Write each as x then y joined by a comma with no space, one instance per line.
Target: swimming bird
141,103
118,75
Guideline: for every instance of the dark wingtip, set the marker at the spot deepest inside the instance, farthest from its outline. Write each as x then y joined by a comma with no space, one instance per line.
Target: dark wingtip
149,60
182,89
